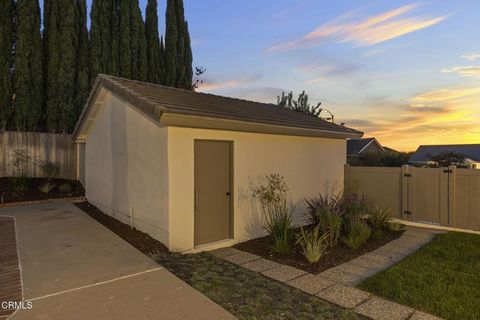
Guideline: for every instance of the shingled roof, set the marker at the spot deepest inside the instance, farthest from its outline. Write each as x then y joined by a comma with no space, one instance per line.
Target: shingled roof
356,146
423,153
156,101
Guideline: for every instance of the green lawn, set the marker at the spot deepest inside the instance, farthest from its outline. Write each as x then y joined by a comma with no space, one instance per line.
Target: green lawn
442,278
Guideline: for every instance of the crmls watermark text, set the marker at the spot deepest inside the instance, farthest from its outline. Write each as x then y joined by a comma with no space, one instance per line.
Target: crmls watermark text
16,305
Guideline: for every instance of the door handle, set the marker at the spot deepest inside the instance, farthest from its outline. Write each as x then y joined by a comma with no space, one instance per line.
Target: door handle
195,201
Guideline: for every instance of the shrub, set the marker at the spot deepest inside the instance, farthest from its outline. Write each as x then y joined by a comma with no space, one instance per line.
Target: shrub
313,243
46,187
355,205
19,163
271,189
49,169
278,223
65,188
316,205
20,183
272,194
330,223
378,218
357,233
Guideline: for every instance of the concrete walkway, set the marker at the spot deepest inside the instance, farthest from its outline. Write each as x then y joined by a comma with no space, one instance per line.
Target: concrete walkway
74,268
337,284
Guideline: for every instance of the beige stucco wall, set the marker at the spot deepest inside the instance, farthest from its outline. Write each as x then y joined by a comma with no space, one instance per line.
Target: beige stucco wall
126,167
309,166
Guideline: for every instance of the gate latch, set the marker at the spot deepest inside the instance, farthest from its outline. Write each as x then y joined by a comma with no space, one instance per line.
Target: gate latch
447,171
407,212
407,175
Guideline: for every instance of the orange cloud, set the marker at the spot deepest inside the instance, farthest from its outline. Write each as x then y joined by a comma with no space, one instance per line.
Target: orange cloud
446,115
366,32
233,83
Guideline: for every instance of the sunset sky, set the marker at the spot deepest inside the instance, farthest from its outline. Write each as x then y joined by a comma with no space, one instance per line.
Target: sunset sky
405,72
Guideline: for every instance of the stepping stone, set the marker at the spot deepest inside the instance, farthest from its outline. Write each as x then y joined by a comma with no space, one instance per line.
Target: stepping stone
341,276
356,269
224,252
381,309
383,260
418,315
311,283
284,273
344,296
260,265
242,257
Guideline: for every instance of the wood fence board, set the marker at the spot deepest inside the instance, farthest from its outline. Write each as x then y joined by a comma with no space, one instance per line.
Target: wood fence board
59,148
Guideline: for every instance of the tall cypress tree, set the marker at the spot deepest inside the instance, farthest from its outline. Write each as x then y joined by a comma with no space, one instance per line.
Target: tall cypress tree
132,42
82,72
171,45
125,41
61,46
104,38
178,52
162,62
28,66
187,73
153,44
7,32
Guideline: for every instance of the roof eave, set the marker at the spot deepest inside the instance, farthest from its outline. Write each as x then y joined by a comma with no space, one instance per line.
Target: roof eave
183,120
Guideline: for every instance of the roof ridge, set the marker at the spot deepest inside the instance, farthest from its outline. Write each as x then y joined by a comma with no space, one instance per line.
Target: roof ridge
270,105
449,145
185,90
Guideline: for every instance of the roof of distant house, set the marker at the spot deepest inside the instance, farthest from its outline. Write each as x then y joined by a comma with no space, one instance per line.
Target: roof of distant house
156,101
356,146
423,153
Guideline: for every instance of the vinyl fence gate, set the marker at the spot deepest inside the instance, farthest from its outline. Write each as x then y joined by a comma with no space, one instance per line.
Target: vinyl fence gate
441,196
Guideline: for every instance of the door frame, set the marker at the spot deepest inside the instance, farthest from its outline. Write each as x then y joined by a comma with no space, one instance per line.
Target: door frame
231,177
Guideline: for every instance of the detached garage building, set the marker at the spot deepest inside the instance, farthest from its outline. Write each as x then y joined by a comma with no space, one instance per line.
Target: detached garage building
181,165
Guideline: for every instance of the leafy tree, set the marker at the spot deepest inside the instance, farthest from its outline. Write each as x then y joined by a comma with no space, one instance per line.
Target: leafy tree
104,37
448,158
301,104
198,81
153,43
28,67
178,51
383,159
61,34
7,34
82,81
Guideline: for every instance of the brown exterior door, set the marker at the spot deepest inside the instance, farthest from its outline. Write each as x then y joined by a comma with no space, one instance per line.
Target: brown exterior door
212,191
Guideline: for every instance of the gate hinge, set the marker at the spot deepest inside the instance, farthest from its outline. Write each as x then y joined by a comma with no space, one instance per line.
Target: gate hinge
407,212
409,175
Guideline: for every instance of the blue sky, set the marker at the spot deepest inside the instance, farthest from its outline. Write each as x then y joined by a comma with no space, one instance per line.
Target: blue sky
405,72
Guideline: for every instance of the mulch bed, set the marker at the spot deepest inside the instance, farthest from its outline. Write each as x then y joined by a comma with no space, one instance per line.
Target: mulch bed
33,193
244,293
140,240
10,283
334,257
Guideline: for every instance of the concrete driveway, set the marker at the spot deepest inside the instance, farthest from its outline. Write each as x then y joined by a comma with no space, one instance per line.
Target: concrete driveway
74,268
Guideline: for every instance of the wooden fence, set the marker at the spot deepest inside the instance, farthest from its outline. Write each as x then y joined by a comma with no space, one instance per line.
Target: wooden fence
442,196
58,148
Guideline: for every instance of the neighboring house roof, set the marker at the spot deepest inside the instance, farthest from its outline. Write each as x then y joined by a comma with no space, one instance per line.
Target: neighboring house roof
423,153
172,106
357,146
